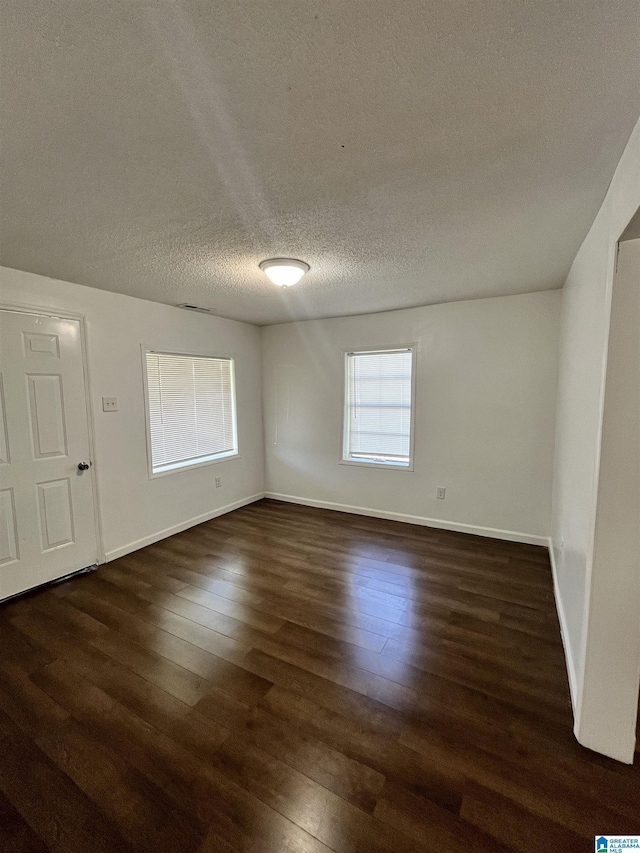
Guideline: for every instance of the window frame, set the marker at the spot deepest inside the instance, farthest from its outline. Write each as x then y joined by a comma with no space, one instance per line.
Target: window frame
344,458
199,461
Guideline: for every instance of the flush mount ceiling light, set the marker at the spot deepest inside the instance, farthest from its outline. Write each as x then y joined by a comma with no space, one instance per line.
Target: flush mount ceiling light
284,271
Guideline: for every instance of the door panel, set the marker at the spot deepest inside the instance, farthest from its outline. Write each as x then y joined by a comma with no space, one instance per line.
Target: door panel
4,439
56,514
41,343
8,537
46,415
47,526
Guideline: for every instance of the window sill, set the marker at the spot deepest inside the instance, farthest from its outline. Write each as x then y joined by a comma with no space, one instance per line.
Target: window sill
388,466
189,466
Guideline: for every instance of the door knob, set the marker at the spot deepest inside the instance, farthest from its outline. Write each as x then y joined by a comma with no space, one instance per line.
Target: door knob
83,466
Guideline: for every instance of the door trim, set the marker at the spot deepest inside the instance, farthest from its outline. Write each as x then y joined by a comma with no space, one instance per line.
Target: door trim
46,311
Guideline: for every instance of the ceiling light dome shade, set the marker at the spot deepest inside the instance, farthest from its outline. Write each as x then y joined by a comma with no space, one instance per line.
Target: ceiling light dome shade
284,271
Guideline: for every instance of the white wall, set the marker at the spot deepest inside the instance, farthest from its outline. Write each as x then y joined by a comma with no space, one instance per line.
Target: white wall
612,655
485,413
135,509
586,307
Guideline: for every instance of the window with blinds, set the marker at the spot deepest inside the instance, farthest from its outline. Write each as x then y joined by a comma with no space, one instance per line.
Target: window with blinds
192,410
378,407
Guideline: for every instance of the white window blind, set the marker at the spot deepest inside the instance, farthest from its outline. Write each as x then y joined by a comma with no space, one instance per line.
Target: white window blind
191,403
378,407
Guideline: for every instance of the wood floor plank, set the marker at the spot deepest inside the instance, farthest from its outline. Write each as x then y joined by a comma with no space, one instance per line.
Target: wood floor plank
286,678
372,746
516,827
134,804
16,836
201,735
159,670
424,821
572,808
307,617
57,640
53,806
16,648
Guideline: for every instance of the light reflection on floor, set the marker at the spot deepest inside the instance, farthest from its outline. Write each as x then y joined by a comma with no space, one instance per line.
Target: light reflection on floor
388,593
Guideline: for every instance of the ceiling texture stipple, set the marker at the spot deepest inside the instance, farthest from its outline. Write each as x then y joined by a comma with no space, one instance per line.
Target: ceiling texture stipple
411,152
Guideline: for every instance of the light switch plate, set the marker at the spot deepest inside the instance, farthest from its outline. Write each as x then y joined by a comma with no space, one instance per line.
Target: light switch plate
109,404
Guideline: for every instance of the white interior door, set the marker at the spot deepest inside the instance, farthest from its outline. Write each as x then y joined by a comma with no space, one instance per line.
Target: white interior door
47,522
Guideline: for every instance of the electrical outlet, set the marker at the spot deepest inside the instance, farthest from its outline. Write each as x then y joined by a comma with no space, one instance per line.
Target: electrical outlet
109,404
440,493
218,482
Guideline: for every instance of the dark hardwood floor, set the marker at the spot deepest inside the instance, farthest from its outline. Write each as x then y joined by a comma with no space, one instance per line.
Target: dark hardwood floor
292,679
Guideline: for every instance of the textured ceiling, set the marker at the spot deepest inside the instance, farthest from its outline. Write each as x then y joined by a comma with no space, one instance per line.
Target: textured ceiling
411,152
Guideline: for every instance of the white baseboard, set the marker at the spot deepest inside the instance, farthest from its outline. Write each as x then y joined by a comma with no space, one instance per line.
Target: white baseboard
562,619
178,528
491,532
